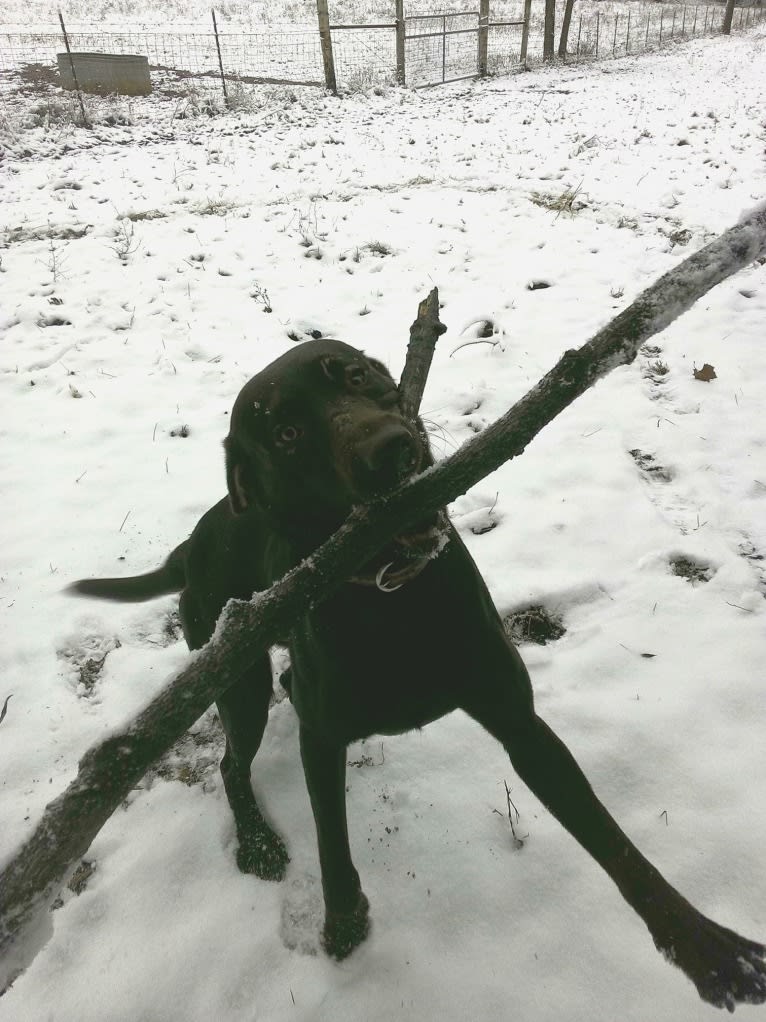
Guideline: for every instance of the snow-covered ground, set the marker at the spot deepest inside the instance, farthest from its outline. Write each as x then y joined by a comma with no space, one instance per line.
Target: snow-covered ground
148,271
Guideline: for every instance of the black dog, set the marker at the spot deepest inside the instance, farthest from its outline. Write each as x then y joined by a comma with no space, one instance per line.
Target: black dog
414,636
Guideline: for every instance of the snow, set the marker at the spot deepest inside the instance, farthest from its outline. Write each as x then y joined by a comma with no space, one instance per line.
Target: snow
340,215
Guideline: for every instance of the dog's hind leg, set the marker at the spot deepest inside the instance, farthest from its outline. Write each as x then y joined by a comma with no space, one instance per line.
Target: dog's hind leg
243,710
725,967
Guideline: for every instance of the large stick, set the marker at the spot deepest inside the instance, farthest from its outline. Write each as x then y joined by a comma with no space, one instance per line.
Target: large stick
424,333
108,772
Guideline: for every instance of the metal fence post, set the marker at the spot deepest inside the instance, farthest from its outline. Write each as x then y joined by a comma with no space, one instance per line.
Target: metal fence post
525,32
614,40
598,28
483,36
627,35
220,61
400,68
326,41
85,120
444,48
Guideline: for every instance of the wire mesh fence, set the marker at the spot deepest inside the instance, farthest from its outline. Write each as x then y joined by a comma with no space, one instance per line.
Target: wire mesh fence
439,45
251,57
619,34
364,57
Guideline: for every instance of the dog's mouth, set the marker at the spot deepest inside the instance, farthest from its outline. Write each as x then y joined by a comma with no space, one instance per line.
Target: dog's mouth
425,540
406,556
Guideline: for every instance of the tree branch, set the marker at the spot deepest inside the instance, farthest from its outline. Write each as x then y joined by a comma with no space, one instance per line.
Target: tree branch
424,333
110,770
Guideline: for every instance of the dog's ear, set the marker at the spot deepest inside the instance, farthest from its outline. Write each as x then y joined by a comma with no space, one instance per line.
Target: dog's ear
236,477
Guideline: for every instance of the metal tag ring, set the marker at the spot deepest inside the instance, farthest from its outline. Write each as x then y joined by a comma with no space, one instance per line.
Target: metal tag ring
386,587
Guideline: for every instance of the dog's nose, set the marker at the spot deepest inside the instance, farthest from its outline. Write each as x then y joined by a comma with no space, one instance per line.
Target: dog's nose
386,458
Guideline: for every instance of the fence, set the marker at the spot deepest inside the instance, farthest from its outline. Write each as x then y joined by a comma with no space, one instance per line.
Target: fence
413,48
250,57
620,34
449,47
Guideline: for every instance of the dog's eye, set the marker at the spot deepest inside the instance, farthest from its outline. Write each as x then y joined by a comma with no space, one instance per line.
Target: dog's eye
287,434
356,376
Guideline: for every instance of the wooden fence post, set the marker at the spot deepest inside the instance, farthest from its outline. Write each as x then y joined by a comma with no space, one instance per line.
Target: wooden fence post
549,28
564,37
400,66
483,36
326,41
727,18
525,31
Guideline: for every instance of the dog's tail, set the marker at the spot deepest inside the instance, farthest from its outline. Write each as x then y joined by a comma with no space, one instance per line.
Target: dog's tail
170,578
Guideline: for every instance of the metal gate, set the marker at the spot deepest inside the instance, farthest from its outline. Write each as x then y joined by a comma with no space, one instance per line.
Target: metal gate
442,48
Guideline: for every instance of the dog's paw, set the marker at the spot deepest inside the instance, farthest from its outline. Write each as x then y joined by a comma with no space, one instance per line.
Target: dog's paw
344,931
725,968
262,853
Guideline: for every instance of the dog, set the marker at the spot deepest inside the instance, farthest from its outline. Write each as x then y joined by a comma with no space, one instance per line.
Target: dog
413,636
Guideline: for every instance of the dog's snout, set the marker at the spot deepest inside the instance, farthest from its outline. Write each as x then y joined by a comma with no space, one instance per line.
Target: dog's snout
386,458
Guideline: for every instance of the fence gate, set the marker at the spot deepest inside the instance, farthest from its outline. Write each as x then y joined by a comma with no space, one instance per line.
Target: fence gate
450,47
441,47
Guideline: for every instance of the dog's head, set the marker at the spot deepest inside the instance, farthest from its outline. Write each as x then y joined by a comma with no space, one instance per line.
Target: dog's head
317,432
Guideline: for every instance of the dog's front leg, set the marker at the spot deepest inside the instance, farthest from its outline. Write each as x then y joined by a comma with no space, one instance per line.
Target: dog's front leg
346,907
725,967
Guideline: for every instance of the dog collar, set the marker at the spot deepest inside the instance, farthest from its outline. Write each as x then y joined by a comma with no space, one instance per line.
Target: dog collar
419,549
392,576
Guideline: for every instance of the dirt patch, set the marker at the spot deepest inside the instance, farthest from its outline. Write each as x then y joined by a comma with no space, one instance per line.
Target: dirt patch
693,571
49,232
37,78
78,881
754,556
650,467
533,624
87,659
195,756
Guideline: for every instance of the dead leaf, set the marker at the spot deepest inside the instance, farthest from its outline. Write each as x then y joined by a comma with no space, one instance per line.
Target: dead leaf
706,373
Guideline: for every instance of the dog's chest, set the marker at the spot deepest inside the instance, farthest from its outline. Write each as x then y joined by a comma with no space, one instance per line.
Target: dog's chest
368,662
